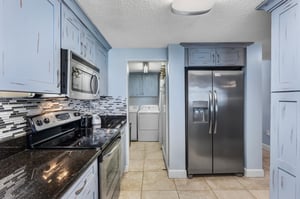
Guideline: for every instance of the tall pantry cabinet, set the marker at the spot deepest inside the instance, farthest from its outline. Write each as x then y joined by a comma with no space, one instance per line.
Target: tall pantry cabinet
285,96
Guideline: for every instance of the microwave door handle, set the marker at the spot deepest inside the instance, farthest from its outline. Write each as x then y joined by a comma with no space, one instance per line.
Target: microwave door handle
92,85
98,83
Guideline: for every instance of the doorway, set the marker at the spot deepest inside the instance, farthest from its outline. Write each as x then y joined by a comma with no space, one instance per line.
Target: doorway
147,100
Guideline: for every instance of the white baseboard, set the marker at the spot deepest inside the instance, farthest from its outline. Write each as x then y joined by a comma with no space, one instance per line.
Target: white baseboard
254,173
177,173
266,147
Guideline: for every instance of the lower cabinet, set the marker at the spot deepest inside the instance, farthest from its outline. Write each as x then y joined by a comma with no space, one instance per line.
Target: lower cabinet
86,187
285,142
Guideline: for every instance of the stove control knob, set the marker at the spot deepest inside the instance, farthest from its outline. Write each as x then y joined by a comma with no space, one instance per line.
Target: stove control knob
46,120
76,114
39,122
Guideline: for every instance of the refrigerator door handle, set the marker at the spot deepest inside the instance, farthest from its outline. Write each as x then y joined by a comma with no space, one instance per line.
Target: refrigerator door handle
215,111
211,109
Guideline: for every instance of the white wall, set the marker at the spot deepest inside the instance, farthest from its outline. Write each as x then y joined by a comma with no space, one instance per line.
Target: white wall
176,103
253,112
118,59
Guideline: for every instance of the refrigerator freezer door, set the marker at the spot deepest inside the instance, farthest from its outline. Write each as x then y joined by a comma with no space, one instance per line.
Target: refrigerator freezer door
199,136
228,139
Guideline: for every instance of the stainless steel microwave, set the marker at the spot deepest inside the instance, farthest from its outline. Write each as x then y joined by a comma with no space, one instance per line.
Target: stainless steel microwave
80,79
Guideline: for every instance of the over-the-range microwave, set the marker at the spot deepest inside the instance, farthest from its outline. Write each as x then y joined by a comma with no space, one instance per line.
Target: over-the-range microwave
79,78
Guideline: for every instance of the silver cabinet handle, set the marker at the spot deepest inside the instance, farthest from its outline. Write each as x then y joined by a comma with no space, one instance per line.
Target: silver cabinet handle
218,56
216,111
211,109
281,183
80,190
213,58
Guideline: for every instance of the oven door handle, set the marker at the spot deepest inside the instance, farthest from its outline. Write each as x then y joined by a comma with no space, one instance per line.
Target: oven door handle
112,150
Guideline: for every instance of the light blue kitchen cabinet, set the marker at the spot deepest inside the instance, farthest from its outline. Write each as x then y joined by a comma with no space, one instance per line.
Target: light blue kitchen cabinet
285,142
86,187
230,56
287,185
215,56
76,37
1,38
70,33
135,85
286,47
285,96
150,84
90,46
31,46
201,57
101,58
143,84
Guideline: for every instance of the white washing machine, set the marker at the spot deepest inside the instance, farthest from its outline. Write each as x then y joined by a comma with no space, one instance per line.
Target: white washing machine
133,123
148,123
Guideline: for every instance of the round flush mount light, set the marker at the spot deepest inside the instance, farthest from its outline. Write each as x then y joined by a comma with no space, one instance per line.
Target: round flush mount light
191,7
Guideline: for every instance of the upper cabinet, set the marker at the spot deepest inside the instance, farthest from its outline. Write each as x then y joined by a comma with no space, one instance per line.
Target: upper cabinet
76,37
70,32
101,62
79,35
30,43
286,47
143,84
222,56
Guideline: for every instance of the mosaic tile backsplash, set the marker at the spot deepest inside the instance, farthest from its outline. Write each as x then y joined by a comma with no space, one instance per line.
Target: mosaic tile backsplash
13,112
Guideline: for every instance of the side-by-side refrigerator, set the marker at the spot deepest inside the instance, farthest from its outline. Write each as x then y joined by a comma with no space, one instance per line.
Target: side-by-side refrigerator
214,125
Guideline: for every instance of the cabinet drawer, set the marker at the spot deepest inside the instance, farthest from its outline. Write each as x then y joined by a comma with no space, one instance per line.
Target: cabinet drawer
86,186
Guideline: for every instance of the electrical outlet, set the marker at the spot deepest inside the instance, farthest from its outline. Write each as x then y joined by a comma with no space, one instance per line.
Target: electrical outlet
268,132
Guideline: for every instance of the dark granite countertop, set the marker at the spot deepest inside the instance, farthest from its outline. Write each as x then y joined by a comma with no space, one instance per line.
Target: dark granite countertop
42,173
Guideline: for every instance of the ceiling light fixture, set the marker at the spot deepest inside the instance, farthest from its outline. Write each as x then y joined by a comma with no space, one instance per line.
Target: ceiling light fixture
146,67
191,7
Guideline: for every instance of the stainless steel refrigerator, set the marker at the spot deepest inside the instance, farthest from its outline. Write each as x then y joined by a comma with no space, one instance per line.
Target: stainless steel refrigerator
214,125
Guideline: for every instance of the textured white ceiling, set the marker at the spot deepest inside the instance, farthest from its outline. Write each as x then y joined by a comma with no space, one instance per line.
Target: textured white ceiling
151,24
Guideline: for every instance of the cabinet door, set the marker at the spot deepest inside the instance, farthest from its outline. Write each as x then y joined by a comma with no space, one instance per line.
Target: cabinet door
286,186
31,46
1,39
286,47
286,122
230,57
90,47
201,57
135,84
101,63
150,85
86,186
70,30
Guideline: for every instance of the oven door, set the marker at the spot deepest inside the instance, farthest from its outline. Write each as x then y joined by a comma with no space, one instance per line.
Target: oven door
110,171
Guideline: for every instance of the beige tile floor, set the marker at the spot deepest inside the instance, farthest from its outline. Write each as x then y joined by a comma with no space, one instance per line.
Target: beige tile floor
147,179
